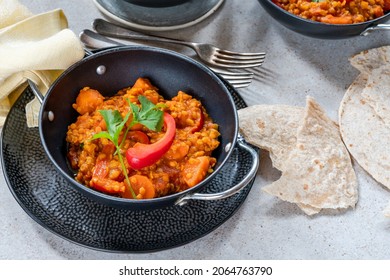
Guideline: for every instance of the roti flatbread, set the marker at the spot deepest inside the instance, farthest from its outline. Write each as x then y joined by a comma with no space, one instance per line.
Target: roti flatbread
306,146
366,132
371,59
377,92
318,172
272,128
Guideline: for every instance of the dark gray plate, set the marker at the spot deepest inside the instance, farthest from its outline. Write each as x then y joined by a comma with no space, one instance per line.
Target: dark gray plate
160,18
49,199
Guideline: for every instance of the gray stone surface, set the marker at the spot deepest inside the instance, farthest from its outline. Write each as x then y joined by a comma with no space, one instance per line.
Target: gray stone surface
264,227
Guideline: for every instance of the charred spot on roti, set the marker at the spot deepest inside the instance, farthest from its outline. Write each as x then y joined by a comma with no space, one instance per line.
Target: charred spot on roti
260,124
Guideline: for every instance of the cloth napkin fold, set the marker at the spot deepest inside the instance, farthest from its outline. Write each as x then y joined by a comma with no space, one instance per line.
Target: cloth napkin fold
36,47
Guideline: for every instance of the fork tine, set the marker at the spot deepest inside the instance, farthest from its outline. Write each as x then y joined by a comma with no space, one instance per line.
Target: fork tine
232,77
236,84
247,59
237,61
227,58
241,53
236,79
239,57
236,64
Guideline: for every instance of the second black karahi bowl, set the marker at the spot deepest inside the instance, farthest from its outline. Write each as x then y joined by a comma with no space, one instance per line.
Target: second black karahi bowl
318,29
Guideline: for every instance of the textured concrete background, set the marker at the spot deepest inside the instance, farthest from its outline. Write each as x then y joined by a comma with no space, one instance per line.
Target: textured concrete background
264,227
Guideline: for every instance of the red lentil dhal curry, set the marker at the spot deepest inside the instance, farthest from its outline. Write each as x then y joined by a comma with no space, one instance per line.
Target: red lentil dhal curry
336,11
138,145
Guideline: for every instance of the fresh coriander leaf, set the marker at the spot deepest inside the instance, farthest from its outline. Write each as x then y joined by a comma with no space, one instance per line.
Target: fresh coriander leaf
146,104
152,119
102,134
148,115
135,109
114,123
112,119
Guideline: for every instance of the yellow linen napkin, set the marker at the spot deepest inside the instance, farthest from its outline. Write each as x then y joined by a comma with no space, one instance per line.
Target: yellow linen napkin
37,47
11,12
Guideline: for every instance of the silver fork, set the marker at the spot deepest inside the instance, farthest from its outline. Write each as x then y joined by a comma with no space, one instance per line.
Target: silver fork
94,40
206,52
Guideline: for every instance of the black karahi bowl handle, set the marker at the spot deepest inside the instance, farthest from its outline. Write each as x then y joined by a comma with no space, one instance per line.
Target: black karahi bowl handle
378,27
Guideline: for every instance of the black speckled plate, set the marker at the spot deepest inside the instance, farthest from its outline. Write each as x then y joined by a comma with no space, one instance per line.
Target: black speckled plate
49,199
158,19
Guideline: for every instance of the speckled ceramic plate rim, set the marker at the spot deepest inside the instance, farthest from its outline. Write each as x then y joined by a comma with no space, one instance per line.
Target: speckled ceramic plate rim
74,241
134,25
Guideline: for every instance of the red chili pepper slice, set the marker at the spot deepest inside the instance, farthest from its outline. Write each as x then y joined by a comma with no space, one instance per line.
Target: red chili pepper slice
142,155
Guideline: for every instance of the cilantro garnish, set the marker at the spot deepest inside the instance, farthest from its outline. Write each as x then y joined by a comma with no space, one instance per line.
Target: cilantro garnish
114,123
148,115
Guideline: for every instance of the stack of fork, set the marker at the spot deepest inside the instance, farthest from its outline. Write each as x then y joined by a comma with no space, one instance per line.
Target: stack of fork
216,58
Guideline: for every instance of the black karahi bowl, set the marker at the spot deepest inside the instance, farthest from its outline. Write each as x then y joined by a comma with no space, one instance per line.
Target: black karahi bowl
117,68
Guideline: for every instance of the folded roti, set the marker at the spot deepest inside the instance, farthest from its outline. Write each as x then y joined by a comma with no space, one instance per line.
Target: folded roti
371,59
272,128
306,146
318,171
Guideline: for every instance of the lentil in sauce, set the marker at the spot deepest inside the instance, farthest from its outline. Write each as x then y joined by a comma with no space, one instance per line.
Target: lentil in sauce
336,11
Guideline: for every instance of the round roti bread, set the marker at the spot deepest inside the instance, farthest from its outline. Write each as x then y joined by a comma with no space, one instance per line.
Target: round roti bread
364,124
377,92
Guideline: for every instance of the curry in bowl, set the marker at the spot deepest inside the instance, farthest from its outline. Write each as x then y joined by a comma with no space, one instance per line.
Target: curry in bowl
138,145
336,11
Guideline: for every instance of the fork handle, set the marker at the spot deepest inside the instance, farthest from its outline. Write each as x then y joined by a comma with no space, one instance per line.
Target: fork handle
108,29
94,40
